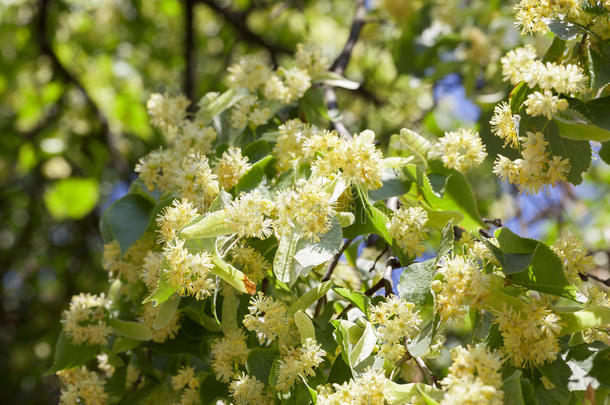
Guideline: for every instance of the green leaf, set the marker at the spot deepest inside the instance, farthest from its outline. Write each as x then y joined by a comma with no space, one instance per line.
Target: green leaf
398,394
336,80
69,355
596,110
71,198
260,361
370,219
544,273
555,50
512,389
420,345
126,220
311,296
340,372
220,104
313,107
283,262
129,329
163,291
416,144
563,29
305,326
459,192
254,176
447,239
604,152
166,312
210,225
230,304
123,344
392,186
364,347
357,298
573,126
414,284
310,254
518,96
232,275
588,318
257,150
599,64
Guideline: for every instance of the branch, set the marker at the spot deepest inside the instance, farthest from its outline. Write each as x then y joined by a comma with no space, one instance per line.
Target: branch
586,277
46,48
189,45
339,65
238,22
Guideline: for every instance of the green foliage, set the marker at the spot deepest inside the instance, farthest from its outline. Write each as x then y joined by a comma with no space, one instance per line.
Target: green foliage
72,198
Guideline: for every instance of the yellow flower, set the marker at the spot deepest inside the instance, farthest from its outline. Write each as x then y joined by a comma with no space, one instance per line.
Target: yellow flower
248,215
407,229
231,166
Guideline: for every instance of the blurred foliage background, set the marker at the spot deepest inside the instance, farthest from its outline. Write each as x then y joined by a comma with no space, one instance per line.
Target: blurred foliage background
75,77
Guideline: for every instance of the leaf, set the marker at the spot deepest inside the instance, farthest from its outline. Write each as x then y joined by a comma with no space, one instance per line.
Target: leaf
336,80
260,361
398,394
604,152
518,96
562,28
555,50
220,104
69,355
340,372
511,262
257,150
599,64
414,283
163,291
596,110
420,345
126,220
369,219
458,191
392,186
130,329
416,144
231,275
311,296
427,398
305,326
310,254
254,176
357,298
230,304
512,389
166,312
588,318
123,344
544,273
284,256
573,126
210,225
71,198
447,239
313,107
364,347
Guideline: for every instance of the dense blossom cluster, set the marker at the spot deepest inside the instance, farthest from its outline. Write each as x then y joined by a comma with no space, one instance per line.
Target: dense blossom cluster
226,222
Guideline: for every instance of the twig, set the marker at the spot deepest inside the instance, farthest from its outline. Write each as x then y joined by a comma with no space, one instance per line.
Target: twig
339,65
46,48
383,252
329,272
189,45
238,22
432,379
586,277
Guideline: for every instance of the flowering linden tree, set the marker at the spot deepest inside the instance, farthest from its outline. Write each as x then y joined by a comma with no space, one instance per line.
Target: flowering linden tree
227,281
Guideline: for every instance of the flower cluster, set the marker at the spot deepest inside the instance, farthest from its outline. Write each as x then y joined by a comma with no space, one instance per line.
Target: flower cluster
81,386
229,352
298,362
574,257
536,170
530,333
247,390
474,377
186,382
187,271
85,320
460,150
407,229
398,320
268,318
369,388
462,284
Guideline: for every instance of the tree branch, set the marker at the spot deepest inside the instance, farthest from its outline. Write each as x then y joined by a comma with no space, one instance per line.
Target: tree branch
189,45
340,64
46,48
238,22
